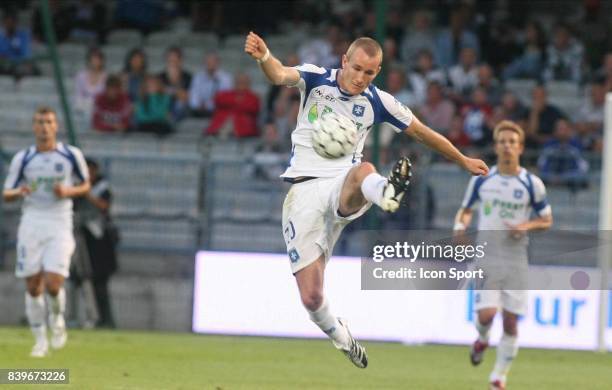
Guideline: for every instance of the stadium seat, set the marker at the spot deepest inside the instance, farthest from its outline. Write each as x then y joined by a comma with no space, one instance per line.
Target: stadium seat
37,85
124,37
202,41
521,88
165,39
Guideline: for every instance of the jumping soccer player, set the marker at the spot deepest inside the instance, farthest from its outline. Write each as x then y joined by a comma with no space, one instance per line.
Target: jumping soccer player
45,175
328,194
508,195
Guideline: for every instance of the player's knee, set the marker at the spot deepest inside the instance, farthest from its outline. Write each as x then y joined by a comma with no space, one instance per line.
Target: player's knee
52,287
312,300
34,289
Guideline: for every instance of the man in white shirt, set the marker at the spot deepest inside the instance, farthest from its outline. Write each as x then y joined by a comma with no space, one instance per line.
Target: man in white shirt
328,194
46,176
205,85
507,195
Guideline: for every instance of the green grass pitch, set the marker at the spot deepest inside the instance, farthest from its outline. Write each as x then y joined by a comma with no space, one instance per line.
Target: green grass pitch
139,360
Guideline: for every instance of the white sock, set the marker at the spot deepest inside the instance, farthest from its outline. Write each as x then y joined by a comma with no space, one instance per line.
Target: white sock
57,306
483,331
507,349
373,186
329,324
35,311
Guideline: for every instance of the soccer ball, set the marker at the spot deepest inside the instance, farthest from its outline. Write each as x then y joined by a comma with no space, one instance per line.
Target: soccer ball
334,136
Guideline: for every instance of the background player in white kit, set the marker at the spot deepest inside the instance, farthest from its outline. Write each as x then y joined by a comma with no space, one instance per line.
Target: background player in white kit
46,175
327,194
507,195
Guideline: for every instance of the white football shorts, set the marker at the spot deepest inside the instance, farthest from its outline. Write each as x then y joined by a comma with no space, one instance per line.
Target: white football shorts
311,224
43,247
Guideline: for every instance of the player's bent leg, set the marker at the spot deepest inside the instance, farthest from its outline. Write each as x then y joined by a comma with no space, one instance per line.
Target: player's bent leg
355,194
35,312
56,301
507,349
310,286
483,324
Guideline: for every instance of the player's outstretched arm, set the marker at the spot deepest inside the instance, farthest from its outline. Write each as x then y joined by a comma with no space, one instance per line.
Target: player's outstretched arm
462,219
274,70
442,145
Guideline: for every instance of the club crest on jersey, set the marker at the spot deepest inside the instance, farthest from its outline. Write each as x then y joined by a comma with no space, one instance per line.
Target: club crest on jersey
518,193
358,110
59,167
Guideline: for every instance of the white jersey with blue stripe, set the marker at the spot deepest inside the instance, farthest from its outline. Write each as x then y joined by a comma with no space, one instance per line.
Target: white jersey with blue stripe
320,93
41,171
506,199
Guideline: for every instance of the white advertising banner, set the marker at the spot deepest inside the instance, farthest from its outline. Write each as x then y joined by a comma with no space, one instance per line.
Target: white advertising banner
255,294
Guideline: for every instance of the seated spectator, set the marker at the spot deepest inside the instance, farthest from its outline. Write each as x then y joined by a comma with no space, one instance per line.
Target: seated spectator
396,86
463,77
176,81
510,109
561,161
89,82
15,52
205,85
269,160
424,72
153,110
456,133
453,39
134,73
476,118
542,118
488,82
590,119
236,111
438,111
284,116
531,63
564,56
88,21
112,109
605,72
320,50
419,37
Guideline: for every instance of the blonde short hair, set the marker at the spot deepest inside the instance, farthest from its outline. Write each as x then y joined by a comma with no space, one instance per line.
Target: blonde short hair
368,45
511,126
45,110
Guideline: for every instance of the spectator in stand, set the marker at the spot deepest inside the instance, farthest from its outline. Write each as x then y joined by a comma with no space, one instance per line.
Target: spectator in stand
396,86
488,82
531,63
605,72
438,111
284,116
112,109
476,118
15,52
321,50
61,19
89,82
591,116
176,81
270,159
510,109
456,133
463,77
88,21
236,111
154,109
564,56
542,119
561,161
424,72
205,85
420,37
134,73
453,39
